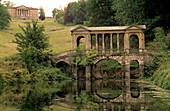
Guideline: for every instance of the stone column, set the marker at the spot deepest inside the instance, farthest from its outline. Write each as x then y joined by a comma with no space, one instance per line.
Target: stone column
140,42
90,41
126,42
74,71
118,43
88,72
97,44
111,43
127,69
103,44
88,86
141,69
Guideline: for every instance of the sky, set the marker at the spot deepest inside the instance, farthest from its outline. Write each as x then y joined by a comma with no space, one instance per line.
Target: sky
48,5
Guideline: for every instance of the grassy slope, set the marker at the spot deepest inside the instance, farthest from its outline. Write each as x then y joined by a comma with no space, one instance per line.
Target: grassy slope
59,39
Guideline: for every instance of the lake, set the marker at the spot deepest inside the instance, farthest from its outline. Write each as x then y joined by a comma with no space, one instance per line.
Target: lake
85,95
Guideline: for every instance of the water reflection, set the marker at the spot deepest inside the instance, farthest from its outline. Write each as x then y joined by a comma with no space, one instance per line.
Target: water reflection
108,94
90,95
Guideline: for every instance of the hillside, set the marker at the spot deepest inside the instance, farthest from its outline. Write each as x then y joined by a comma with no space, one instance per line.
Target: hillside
60,37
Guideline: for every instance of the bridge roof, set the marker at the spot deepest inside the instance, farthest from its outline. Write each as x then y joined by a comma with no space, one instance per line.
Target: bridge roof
110,28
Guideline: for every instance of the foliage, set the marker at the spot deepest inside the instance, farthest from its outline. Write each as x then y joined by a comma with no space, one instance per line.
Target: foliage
5,17
80,59
129,12
32,44
48,74
67,17
109,64
92,55
8,4
42,14
77,11
54,12
100,13
161,76
159,45
60,16
82,99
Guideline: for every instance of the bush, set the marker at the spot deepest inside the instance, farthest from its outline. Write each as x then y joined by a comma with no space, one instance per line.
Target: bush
48,74
162,76
33,45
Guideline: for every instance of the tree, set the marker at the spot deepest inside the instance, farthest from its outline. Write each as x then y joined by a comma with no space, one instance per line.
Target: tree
54,12
42,13
100,13
5,17
68,18
77,10
32,44
8,4
129,12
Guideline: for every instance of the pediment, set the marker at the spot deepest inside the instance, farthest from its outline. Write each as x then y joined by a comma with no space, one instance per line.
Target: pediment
136,27
79,29
22,7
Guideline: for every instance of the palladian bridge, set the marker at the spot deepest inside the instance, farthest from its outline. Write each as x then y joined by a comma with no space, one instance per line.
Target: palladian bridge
111,42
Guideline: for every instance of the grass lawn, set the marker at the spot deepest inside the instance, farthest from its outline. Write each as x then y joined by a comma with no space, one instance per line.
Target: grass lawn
60,39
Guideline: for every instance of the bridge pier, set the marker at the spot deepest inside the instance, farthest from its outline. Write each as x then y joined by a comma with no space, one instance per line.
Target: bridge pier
127,71
74,72
141,70
88,72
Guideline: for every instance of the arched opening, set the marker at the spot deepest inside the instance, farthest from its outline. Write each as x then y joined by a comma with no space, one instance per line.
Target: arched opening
108,89
64,67
134,69
108,68
134,43
81,42
134,89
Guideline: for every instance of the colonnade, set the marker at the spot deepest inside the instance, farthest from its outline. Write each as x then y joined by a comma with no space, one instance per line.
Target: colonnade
21,12
103,42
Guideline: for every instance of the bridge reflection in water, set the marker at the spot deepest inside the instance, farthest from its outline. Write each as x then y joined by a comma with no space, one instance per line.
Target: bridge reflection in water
105,95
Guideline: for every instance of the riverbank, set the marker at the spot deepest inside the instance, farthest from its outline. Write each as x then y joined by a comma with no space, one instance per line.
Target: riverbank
161,76
13,71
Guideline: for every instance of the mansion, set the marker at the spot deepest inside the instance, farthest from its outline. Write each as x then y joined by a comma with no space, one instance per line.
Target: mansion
23,12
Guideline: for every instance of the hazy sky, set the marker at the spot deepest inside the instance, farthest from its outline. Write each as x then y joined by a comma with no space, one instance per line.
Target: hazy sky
48,5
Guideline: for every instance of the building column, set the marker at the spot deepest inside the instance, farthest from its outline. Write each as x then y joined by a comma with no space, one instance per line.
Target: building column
103,44
140,42
111,43
118,46
126,42
88,43
97,45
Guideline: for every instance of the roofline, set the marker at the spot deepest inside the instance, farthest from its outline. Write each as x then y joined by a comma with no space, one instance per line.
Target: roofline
141,27
24,6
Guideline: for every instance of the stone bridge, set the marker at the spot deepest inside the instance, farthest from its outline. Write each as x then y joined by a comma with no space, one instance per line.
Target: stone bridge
115,42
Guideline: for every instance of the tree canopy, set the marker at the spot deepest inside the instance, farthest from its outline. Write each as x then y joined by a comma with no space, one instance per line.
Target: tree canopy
42,13
5,17
100,13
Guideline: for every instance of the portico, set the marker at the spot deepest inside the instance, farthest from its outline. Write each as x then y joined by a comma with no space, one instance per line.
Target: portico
114,38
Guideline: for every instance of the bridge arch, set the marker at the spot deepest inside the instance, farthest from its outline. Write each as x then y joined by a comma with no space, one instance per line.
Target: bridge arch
64,66
118,59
